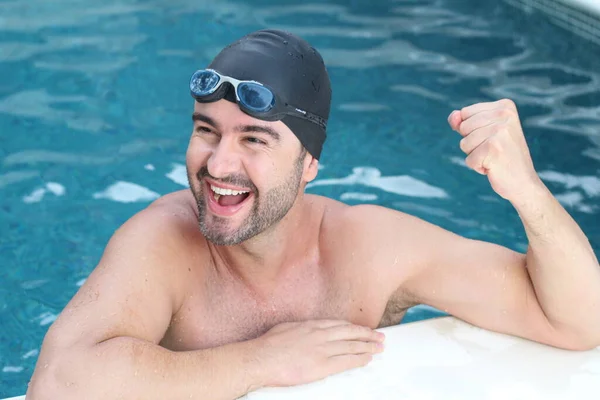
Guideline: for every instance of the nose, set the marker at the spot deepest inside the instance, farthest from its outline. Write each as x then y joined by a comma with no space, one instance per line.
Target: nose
224,160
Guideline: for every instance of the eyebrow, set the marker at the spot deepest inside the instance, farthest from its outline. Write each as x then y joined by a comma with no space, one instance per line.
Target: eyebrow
196,116
260,129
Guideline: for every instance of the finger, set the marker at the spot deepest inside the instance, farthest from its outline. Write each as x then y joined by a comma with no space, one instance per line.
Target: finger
477,160
475,139
480,120
354,332
338,364
327,323
454,119
468,112
352,347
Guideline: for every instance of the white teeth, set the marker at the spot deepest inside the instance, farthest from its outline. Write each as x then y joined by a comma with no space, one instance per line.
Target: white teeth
226,192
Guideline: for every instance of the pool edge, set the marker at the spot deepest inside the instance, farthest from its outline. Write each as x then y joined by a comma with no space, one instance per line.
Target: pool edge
581,17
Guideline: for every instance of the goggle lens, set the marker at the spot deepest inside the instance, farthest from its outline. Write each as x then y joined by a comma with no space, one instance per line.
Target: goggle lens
204,83
255,97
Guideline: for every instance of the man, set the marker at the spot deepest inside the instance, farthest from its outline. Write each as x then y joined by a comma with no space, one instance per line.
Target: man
244,281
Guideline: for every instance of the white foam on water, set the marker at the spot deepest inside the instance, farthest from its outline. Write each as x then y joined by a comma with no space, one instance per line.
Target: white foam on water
149,167
358,196
575,200
589,184
81,282
47,318
459,161
127,192
35,197
178,175
31,353
403,185
38,194
10,368
56,188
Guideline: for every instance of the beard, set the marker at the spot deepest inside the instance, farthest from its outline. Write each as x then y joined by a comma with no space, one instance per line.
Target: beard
267,209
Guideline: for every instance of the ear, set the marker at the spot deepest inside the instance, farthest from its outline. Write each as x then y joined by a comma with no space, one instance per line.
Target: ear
311,167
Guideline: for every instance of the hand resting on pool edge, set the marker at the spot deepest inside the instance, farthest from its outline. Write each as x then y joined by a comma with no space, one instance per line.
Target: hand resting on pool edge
245,281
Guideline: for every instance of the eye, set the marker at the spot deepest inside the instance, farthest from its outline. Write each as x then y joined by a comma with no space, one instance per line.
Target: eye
203,129
254,140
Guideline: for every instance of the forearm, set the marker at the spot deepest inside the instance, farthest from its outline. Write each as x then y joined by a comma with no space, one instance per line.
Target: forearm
562,266
129,368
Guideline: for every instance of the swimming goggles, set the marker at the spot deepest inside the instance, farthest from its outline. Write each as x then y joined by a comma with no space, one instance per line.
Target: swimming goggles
253,97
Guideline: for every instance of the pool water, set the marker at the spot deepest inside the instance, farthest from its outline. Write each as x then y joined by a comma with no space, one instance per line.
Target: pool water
95,120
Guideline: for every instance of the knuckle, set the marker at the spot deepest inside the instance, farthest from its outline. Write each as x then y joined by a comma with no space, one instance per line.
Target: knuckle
502,112
366,331
355,329
508,103
470,161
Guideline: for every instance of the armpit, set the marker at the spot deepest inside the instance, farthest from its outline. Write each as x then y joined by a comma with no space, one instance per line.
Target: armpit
396,307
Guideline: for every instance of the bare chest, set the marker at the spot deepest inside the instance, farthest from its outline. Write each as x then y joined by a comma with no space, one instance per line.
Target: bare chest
227,314
221,313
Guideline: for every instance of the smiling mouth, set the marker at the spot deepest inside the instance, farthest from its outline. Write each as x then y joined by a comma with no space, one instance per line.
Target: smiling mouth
226,202
228,197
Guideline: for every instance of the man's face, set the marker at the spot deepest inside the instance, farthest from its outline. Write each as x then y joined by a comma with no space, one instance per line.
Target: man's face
244,173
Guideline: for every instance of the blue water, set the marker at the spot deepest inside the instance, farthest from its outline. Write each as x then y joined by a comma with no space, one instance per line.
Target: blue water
95,120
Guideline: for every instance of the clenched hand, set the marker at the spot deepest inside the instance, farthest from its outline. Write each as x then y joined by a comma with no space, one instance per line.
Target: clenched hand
495,146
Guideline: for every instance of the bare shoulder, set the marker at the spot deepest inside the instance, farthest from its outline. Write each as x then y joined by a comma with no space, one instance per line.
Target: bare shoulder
141,279
369,225
382,243
167,233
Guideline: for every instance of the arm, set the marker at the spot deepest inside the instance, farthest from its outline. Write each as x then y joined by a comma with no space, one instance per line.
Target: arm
560,261
562,267
551,295
104,345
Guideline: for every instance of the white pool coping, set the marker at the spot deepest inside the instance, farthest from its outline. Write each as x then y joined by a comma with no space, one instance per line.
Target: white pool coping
448,359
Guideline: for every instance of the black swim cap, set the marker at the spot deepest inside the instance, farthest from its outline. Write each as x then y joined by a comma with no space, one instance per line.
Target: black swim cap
289,66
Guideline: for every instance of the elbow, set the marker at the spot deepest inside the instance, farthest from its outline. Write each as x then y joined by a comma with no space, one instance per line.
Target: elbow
585,344
54,380
578,341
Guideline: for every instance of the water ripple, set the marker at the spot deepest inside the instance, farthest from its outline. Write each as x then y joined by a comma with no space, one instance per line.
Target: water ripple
566,91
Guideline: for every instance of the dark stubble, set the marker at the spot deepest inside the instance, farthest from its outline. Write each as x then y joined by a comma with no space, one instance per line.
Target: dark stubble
267,209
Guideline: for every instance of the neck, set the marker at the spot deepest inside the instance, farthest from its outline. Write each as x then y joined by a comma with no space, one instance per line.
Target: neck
261,261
